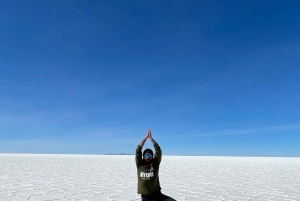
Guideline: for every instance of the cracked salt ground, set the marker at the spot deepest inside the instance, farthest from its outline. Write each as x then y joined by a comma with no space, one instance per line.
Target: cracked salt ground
88,177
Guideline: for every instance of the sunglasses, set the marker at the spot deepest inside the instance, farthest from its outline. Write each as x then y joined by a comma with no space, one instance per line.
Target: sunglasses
147,155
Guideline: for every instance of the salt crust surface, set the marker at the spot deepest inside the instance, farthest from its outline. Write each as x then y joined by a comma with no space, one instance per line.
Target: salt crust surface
99,177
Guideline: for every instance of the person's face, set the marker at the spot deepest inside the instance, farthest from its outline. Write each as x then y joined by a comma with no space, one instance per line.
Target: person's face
148,156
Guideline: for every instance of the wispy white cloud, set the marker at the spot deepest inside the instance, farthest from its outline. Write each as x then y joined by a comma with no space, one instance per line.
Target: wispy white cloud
46,125
41,117
84,145
51,146
254,130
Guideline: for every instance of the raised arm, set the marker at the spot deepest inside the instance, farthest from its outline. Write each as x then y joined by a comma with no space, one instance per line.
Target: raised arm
143,140
158,152
138,151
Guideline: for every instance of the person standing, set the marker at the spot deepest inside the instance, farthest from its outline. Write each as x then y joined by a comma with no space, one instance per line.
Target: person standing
147,171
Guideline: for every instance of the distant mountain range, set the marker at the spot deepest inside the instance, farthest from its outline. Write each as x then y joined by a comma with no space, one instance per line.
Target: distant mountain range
118,154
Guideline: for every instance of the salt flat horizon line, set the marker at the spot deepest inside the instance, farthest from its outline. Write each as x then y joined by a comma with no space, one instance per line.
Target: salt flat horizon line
237,156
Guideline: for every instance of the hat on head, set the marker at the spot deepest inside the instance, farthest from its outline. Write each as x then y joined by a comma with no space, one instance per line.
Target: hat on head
147,151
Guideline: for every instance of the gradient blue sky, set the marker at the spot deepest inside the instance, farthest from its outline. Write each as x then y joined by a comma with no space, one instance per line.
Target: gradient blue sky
208,77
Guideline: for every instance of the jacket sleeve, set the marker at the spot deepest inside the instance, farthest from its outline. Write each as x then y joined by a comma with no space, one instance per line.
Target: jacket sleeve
138,156
158,153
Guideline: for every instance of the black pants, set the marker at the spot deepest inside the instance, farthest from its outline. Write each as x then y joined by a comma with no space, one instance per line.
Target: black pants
157,197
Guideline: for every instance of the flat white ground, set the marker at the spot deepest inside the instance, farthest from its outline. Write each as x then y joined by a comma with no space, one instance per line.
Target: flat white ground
96,177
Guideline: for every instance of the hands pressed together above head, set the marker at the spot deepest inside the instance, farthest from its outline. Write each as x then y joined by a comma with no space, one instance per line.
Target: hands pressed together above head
147,136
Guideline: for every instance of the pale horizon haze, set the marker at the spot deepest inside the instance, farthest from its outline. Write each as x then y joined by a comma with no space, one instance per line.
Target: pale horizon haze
209,78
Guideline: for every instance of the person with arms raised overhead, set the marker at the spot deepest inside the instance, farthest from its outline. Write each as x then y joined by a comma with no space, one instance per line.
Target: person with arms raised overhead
147,171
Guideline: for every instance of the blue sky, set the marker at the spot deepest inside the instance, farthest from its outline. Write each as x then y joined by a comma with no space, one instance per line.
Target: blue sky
208,77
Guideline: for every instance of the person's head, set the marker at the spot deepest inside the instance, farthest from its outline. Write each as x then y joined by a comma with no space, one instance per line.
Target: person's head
148,156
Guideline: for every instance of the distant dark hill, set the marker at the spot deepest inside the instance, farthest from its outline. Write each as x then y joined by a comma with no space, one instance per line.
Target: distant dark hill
117,154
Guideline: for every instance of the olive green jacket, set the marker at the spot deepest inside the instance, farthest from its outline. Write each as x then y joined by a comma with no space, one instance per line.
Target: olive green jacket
148,180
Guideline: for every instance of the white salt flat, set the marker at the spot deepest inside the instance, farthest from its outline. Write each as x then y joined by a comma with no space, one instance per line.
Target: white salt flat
26,177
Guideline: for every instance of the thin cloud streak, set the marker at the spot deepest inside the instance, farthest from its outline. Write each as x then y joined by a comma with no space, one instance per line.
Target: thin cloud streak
250,131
